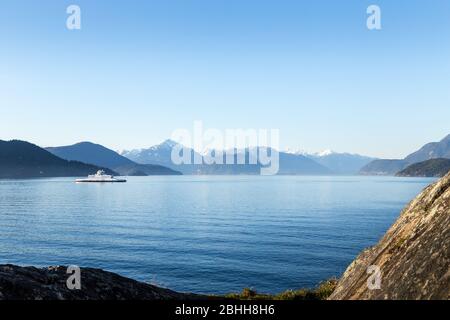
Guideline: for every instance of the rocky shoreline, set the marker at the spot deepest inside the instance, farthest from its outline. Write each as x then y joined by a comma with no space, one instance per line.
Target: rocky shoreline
30,283
412,260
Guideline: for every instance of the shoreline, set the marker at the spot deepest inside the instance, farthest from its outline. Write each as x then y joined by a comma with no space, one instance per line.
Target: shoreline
59,283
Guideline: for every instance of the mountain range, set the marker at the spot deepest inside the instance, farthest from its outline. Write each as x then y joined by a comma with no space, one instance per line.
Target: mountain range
99,155
428,168
341,163
289,162
433,150
20,159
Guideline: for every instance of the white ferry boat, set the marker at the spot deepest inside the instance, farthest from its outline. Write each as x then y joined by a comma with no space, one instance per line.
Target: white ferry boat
100,176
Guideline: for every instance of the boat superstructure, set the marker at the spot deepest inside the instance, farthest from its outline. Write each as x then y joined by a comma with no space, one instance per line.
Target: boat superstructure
100,176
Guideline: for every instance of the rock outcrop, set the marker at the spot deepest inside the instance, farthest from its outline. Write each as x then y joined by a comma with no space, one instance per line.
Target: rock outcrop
413,257
29,283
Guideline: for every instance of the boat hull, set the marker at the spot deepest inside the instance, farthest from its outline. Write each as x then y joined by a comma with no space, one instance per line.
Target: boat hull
100,181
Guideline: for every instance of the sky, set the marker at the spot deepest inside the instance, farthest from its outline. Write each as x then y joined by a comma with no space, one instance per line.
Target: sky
138,70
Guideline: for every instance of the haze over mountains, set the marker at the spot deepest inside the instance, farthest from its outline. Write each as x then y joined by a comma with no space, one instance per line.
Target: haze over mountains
19,159
146,161
383,167
433,150
289,163
341,163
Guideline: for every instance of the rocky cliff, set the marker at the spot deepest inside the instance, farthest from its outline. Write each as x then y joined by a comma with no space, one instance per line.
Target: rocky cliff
29,283
413,257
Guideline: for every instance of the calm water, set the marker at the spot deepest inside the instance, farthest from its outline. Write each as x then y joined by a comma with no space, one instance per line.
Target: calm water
202,234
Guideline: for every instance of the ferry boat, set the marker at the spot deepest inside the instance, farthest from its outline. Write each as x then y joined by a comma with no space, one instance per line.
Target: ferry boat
100,176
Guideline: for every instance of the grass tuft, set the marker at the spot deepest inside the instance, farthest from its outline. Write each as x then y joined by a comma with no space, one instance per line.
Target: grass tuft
321,292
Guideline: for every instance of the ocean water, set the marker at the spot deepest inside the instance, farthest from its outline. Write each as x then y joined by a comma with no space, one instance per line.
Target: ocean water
214,234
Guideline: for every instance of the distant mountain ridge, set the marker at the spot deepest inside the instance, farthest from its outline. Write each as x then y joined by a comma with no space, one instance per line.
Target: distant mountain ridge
383,167
161,154
157,160
341,163
21,159
158,155
96,154
290,163
433,150
430,168
89,152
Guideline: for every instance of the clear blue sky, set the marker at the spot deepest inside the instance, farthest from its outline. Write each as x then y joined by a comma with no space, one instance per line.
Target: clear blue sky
140,69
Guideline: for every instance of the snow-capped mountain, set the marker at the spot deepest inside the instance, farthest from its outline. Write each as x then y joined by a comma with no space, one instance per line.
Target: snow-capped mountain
339,163
161,154
296,151
324,153
291,161
303,152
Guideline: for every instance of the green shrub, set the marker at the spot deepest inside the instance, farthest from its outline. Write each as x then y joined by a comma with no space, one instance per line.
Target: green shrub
321,292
